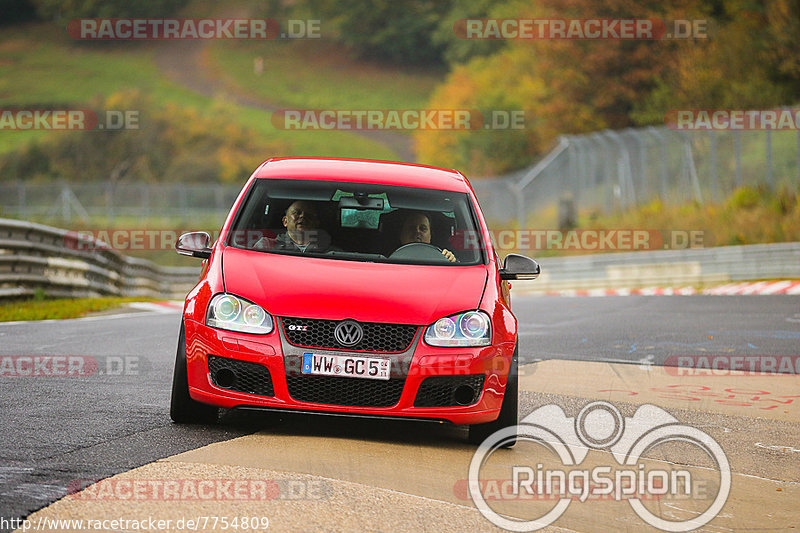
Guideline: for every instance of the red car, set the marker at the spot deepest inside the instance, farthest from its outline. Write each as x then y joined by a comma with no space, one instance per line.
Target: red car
352,287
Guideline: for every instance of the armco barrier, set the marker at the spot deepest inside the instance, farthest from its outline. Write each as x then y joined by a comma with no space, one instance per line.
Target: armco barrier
695,267
34,256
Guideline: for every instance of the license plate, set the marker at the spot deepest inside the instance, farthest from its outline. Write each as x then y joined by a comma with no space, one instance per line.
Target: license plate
346,366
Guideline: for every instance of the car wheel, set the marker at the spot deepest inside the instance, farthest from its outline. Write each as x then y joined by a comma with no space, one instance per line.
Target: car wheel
183,409
508,410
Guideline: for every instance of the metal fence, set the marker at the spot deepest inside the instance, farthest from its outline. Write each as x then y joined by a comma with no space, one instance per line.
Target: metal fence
603,171
616,170
91,201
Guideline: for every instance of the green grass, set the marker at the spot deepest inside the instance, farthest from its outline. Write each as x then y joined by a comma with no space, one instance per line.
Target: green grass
308,74
51,70
750,215
36,309
41,66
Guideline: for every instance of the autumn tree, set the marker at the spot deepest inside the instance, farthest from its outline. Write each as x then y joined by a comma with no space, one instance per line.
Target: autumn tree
172,142
749,59
70,9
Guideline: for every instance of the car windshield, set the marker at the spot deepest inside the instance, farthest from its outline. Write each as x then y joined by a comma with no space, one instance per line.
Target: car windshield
358,221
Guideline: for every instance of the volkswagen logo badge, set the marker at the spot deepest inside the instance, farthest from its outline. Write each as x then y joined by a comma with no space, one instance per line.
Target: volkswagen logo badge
348,333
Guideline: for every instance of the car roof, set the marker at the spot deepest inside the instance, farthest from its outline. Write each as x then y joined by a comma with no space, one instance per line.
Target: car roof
362,171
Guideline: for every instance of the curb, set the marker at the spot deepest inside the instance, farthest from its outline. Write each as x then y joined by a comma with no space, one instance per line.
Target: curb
790,287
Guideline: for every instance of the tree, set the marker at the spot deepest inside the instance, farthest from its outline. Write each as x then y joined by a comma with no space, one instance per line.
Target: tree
173,143
72,9
397,31
16,11
749,60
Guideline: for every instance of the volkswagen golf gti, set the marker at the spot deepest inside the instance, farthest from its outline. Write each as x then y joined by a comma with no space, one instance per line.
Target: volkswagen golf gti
352,287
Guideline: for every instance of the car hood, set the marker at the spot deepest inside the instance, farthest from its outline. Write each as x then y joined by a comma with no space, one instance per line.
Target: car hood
331,289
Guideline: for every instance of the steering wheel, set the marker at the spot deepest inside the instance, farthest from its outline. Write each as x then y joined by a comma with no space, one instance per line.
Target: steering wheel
419,251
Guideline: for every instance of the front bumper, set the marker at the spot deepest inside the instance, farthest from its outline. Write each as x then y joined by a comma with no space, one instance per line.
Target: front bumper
489,364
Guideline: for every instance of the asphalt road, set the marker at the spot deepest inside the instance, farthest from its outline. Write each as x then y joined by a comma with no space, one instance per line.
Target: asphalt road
59,431
650,329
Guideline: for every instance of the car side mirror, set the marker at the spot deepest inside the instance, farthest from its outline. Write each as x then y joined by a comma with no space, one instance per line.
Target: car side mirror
194,244
517,266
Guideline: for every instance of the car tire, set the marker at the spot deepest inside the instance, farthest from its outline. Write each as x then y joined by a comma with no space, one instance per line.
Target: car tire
183,409
508,410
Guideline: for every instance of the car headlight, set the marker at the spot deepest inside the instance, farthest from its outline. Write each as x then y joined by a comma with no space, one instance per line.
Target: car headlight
226,311
472,328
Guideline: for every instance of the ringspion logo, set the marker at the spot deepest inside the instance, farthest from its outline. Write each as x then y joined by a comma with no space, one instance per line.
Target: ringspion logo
599,426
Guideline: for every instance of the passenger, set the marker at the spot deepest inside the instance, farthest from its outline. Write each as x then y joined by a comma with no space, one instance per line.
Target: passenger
303,234
417,228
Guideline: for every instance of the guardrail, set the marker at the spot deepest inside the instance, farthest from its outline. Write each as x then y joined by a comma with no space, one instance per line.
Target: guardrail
65,264
689,267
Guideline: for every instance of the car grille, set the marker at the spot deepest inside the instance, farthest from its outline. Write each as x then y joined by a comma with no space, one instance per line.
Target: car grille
378,337
353,392
240,376
449,391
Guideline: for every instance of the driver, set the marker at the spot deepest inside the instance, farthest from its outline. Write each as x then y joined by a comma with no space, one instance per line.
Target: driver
417,228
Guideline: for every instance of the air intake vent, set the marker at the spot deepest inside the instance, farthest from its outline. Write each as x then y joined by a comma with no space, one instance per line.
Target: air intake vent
449,391
240,376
